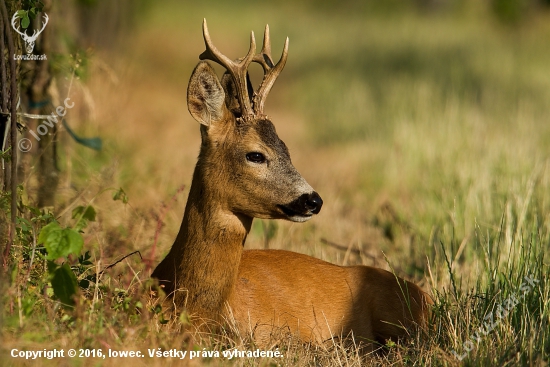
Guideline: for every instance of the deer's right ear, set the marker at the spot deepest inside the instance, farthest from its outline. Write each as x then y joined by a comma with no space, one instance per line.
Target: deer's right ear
205,95
231,97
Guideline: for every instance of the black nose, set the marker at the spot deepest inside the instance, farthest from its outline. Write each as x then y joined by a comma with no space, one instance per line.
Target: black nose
314,202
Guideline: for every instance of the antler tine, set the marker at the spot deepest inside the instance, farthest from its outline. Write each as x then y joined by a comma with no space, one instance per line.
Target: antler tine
16,27
270,72
238,70
264,57
45,22
36,32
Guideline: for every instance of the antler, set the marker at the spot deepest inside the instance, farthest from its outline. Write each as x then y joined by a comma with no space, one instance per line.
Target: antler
16,27
36,33
238,70
270,72
29,40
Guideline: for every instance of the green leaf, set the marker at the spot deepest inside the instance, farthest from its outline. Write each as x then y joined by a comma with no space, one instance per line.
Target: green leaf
27,305
121,195
74,241
86,212
60,242
83,214
64,284
24,224
25,21
47,230
14,272
54,245
86,282
34,211
21,13
85,259
52,267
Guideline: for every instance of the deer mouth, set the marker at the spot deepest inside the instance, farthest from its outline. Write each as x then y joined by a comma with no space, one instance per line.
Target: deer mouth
294,215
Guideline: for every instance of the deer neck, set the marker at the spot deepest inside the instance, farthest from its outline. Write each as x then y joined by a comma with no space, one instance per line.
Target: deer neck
207,251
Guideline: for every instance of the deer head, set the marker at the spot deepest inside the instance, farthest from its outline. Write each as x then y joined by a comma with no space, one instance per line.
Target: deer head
29,40
240,149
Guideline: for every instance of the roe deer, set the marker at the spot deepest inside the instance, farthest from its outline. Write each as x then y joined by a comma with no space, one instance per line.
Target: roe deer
244,171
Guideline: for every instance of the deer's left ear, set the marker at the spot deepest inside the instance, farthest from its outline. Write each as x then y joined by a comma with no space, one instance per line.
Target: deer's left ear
205,95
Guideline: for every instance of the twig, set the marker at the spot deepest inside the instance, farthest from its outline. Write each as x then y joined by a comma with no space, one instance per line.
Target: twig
32,255
340,247
388,208
96,289
20,308
355,251
116,262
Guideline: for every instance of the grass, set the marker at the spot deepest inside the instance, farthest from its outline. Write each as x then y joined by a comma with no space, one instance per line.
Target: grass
426,134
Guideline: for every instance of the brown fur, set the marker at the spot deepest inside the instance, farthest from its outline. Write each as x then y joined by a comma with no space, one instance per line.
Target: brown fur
209,274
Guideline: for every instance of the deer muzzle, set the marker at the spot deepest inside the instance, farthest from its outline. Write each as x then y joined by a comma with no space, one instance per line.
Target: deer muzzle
303,208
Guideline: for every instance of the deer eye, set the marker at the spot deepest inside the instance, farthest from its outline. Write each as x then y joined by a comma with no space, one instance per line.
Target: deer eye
255,157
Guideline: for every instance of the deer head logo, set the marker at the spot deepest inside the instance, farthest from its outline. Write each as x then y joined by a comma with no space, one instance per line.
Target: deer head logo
29,40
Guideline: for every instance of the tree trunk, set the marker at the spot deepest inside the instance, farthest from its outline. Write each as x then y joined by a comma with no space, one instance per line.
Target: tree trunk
8,102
